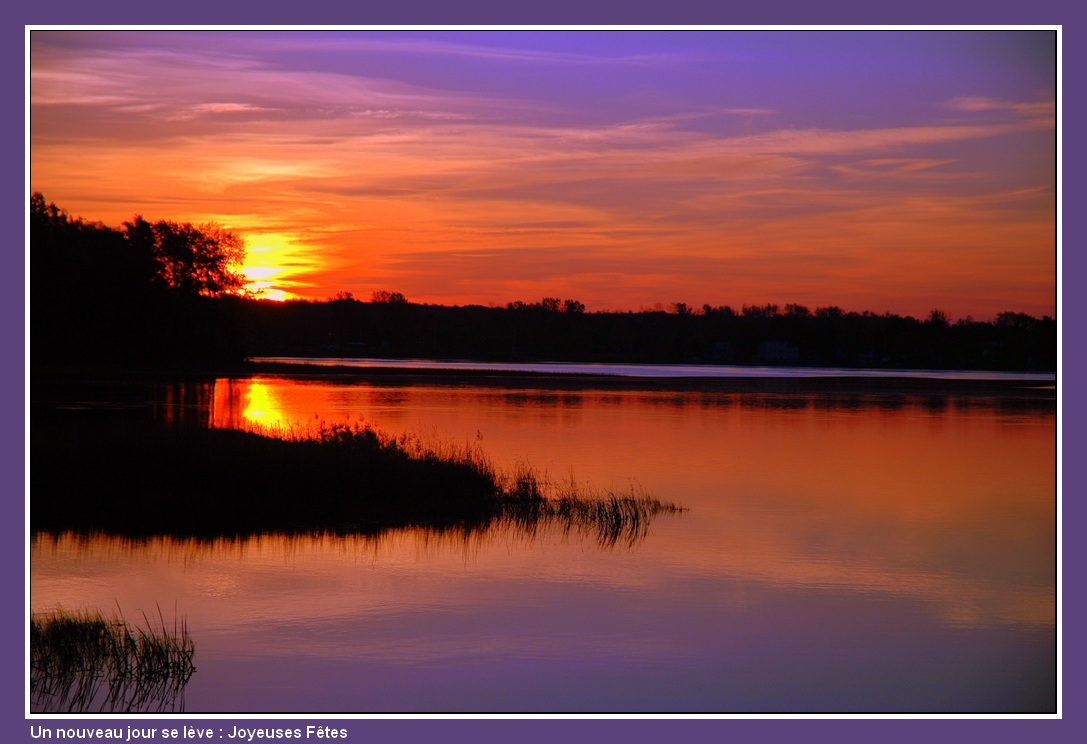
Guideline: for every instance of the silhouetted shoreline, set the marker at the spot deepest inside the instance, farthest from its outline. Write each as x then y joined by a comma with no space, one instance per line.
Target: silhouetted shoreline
166,296
754,383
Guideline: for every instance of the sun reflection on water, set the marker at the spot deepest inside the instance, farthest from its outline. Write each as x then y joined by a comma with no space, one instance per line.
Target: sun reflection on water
250,405
261,406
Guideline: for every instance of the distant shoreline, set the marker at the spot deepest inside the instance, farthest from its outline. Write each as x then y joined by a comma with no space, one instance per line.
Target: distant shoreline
760,379
653,371
1040,387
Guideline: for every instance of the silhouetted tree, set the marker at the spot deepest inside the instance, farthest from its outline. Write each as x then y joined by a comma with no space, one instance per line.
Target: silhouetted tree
1020,321
388,298
190,260
721,311
760,311
147,293
938,318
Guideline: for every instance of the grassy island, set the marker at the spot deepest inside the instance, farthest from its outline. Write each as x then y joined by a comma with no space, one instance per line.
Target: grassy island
142,479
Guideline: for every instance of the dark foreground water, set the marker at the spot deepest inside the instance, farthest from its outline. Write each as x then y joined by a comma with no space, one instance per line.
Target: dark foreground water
858,552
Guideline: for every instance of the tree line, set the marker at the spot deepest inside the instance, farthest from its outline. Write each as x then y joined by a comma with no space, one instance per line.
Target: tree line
162,292
751,335
168,294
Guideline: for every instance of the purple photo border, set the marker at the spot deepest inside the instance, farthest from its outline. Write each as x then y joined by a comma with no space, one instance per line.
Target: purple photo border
14,723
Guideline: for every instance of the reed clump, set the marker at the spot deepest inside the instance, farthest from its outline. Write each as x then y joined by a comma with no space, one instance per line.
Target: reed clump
84,662
532,504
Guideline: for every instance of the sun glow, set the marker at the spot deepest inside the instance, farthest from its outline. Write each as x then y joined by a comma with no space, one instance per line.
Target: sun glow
272,265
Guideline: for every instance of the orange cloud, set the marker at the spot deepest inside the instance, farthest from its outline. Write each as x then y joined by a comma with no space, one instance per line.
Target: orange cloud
372,176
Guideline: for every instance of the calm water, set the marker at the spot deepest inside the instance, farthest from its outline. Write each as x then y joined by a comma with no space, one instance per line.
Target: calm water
868,552
711,371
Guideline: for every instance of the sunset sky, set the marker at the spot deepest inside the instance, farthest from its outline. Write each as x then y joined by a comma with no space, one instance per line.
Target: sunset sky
890,171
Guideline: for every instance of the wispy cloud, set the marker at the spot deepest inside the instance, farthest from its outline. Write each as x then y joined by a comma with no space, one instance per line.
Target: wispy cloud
380,155
447,46
983,104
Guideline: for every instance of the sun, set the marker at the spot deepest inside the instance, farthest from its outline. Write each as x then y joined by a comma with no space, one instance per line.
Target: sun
271,266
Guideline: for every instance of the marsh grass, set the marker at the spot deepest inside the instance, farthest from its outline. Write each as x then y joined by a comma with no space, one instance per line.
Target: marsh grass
83,662
345,477
532,504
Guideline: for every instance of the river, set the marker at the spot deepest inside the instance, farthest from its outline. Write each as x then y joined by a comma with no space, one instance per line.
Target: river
869,550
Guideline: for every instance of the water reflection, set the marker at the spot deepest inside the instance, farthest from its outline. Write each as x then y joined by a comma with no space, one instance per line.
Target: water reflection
82,662
426,621
922,488
861,550
282,402
1005,593
274,401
